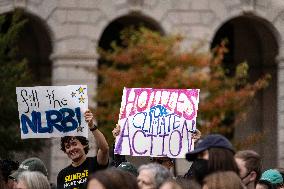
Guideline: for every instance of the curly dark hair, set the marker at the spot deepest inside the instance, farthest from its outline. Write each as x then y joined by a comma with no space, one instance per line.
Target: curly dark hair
84,141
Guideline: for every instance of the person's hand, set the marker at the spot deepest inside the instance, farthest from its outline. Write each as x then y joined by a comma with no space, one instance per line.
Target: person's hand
116,131
196,135
89,118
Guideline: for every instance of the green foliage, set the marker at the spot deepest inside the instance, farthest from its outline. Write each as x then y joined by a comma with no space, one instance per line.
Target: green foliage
14,72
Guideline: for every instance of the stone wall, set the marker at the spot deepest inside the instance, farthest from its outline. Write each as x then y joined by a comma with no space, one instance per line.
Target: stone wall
76,27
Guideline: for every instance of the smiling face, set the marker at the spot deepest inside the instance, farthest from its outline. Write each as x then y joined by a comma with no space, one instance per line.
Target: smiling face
75,150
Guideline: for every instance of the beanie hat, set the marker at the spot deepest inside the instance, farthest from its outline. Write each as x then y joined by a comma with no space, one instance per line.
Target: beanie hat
126,166
272,176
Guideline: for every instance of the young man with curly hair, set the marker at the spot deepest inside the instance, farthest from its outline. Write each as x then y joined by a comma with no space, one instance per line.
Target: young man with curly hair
76,148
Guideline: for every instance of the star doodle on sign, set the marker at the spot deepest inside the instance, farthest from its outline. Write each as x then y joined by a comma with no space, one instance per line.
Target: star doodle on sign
80,128
81,90
73,94
81,99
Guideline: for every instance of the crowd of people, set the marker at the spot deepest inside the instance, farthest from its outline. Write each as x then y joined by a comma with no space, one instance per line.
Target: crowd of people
215,165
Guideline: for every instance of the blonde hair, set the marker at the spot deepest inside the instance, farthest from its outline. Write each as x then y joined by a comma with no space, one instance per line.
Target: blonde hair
223,180
34,180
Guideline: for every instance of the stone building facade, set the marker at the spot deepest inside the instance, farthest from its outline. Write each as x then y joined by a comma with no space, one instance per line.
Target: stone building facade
67,33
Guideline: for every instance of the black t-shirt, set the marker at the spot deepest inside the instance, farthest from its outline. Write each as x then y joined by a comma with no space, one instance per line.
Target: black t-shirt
76,177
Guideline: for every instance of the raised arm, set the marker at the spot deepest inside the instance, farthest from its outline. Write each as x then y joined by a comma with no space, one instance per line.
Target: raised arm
103,148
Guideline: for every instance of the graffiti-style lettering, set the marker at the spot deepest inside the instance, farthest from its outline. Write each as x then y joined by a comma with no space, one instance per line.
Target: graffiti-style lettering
181,102
133,142
157,122
179,140
64,120
121,137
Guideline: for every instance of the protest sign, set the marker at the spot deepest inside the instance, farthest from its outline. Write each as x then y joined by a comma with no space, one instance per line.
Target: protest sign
52,111
157,122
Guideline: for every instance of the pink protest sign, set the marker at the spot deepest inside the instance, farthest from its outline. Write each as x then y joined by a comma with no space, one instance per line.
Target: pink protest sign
157,122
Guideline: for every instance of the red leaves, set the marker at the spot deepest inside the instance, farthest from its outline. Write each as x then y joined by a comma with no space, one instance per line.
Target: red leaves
148,59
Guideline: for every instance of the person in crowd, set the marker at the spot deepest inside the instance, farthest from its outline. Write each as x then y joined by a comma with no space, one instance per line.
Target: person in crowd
270,179
127,166
30,164
170,184
249,164
187,183
213,153
112,179
7,167
76,148
152,176
265,185
32,180
223,180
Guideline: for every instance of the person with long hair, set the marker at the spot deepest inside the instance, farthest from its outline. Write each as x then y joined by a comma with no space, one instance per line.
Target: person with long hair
223,180
213,153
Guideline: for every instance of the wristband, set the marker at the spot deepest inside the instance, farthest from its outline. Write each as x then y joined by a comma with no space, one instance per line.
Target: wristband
94,128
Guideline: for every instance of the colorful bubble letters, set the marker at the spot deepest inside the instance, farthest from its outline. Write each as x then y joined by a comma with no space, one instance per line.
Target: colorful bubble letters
52,111
157,122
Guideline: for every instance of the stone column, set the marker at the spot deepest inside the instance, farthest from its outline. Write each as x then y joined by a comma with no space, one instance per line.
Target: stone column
280,112
69,69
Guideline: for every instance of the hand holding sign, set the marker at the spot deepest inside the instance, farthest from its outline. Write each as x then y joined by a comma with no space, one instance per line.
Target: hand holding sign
196,135
89,118
116,131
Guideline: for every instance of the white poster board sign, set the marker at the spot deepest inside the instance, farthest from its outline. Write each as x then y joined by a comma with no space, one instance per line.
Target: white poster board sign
52,111
157,122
